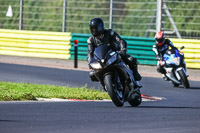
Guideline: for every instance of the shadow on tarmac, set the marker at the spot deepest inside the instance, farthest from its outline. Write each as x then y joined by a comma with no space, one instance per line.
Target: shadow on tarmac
8,121
168,107
194,88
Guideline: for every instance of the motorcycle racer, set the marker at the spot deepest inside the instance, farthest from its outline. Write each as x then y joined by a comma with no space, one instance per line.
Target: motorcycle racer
161,46
100,36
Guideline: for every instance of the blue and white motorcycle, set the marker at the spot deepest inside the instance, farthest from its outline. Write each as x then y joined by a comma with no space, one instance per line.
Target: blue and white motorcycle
175,67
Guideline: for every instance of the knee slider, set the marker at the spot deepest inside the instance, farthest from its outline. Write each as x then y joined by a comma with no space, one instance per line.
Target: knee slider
132,60
92,76
161,70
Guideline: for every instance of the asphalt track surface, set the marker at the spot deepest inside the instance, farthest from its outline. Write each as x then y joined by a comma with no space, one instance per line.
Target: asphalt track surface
179,112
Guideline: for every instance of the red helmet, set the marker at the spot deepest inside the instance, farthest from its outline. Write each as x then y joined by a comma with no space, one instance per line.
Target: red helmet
160,38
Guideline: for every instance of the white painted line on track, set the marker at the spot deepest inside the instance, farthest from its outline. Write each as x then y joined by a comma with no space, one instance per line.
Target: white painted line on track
70,100
144,98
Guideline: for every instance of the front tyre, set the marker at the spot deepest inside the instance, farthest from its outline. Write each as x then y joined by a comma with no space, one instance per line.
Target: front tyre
114,93
184,79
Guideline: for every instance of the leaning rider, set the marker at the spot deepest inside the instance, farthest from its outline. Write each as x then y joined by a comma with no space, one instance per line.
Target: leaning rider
100,36
161,46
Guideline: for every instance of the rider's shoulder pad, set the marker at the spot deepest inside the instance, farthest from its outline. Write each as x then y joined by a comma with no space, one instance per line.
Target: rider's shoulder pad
111,32
89,40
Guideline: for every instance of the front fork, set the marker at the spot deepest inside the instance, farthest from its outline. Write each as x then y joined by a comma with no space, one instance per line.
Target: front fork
177,74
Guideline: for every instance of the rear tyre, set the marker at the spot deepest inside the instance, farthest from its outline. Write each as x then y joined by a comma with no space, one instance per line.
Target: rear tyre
137,99
115,95
175,85
184,79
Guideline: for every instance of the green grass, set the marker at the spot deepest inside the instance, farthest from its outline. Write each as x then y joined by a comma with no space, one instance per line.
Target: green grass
25,91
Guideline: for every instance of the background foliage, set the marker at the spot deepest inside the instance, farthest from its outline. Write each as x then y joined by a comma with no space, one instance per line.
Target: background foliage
130,17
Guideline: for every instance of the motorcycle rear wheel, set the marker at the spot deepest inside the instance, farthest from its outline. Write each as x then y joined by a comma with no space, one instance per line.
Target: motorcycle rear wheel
184,79
137,100
113,92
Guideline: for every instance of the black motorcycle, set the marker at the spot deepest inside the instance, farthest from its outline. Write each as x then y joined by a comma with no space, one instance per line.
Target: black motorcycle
115,76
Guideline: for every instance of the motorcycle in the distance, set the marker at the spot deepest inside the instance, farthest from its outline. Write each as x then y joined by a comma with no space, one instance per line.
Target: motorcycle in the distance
115,76
175,67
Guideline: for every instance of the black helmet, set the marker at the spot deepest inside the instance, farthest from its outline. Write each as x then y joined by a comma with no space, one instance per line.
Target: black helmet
96,26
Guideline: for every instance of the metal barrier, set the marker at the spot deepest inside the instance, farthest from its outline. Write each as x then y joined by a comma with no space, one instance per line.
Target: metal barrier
82,46
141,48
60,45
138,47
35,43
191,51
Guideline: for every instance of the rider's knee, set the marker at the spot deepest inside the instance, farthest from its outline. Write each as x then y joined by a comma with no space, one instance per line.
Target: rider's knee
160,69
132,60
92,76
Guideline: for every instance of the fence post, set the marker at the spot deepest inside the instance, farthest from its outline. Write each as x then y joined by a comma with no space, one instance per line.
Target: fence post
21,15
64,15
111,8
159,15
75,53
172,21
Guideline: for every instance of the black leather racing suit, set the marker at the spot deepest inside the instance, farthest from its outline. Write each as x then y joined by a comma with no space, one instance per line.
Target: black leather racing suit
117,44
160,51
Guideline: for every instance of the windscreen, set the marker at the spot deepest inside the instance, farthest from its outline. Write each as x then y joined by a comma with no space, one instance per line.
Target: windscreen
101,51
171,54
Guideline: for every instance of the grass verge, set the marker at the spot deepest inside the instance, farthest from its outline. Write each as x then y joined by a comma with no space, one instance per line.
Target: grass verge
25,91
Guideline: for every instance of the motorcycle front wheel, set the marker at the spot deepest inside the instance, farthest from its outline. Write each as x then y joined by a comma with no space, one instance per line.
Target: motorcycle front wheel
184,79
114,93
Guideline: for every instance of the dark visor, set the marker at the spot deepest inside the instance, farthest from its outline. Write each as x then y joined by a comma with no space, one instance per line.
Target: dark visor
160,40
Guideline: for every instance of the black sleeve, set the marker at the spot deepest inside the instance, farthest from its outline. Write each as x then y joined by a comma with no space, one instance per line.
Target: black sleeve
90,48
171,44
116,39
